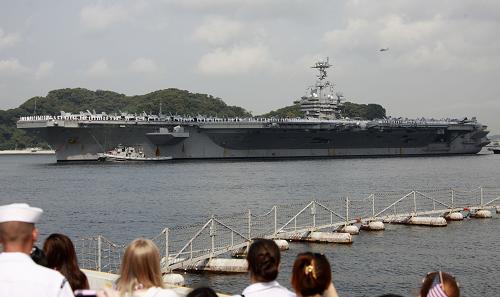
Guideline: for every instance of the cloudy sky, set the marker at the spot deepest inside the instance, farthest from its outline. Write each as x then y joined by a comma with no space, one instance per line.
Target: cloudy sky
443,58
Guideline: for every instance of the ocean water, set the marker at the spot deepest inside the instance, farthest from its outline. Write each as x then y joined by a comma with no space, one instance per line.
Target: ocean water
125,201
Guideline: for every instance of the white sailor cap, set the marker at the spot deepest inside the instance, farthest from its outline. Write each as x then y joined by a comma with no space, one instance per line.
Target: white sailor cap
19,212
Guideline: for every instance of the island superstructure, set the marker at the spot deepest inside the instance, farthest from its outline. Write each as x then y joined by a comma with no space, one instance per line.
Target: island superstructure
323,132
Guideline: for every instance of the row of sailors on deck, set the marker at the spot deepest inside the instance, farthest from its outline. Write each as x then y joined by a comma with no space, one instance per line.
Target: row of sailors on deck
140,273
152,118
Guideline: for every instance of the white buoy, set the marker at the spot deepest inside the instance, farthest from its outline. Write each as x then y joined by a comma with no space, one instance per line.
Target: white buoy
351,229
428,221
454,216
373,226
242,252
282,244
498,209
482,214
333,237
173,279
220,265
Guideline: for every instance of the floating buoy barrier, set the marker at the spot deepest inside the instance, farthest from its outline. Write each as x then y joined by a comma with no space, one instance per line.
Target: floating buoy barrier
173,279
454,216
351,229
482,214
419,221
219,265
373,226
327,237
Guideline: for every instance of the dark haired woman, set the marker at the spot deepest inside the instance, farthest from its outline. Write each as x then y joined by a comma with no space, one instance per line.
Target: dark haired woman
60,254
202,292
312,276
263,263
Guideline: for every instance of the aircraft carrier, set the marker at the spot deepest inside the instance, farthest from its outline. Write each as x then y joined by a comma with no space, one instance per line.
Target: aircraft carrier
323,132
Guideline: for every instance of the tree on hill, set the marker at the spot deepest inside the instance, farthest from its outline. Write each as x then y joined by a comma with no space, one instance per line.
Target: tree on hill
292,111
363,111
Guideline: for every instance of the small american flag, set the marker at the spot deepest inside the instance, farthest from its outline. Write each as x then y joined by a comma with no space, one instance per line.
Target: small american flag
436,289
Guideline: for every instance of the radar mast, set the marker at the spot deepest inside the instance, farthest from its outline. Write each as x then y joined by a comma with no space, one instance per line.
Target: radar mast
320,100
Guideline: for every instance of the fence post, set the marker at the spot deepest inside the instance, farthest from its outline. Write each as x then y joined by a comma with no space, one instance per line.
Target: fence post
452,198
275,220
414,202
99,245
166,247
212,236
347,209
373,206
481,196
313,212
249,225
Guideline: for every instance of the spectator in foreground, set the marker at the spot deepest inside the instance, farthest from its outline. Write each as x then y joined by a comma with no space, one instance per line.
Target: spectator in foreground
19,275
263,264
61,256
202,292
312,276
439,284
140,273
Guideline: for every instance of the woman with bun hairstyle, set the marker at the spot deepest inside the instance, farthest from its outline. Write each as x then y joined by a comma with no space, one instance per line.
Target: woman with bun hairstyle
312,276
263,264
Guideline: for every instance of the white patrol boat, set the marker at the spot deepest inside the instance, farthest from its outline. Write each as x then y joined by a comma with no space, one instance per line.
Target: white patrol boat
129,153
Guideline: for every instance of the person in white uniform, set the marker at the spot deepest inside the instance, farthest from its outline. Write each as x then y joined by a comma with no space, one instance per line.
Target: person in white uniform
263,264
19,275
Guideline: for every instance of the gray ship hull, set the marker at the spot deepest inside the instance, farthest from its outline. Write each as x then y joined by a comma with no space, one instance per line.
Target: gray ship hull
76,141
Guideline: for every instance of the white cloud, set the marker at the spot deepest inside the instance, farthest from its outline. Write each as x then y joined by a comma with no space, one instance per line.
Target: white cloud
12,67
44,69
435,42
143,65
217,31
99,68
237,60
7,40
98,16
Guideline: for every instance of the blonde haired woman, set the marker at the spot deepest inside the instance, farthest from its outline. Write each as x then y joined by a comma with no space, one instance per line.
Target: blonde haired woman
140,274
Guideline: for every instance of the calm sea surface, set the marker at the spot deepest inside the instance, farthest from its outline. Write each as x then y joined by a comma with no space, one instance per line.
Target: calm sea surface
124,201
